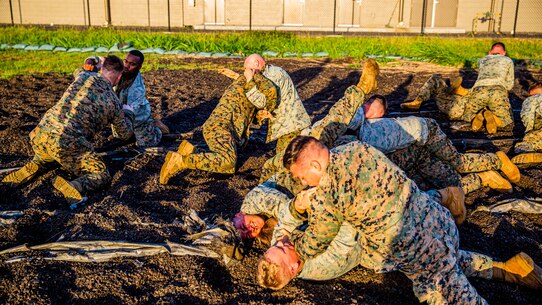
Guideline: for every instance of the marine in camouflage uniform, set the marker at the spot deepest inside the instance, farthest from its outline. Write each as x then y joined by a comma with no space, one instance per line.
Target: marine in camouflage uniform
290,116
531,116
495,79
398,226
64,134
328,130
133,94
228,127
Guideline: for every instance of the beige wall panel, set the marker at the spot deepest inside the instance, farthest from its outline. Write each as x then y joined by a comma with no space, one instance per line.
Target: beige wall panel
467,12
193,14
60,12
379,13
5,16
236,12
318,13
266,12
529,17
129,13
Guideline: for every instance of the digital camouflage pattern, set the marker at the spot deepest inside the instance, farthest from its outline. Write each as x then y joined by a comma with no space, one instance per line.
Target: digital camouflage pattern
146,134
531,116
327,130
290,116
495,70
65,132
464,108
400,227
437,160
227,129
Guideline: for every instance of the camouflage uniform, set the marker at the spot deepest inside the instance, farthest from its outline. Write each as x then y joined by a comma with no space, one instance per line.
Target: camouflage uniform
495,79
327,130
65,132
531,116
227,129
399,227
146,134
290,116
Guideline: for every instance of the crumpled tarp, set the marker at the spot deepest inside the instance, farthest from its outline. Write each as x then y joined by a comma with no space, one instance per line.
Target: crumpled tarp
213,240
525,205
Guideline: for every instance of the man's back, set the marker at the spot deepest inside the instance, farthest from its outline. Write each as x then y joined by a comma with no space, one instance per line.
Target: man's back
495,70
87,106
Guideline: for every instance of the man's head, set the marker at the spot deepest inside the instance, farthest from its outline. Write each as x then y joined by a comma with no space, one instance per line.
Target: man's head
535,88
133,62
375,107
307,159
112,69
249,226
498,48
254,62
279,265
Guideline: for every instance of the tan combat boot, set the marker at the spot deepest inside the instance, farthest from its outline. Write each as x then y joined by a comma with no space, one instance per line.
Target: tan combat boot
413,105
368,81
478,121
520,269
456,88
173,164
185,148
509,169
453,198
163,128
495,181
24,174
70,190
491,122
527,158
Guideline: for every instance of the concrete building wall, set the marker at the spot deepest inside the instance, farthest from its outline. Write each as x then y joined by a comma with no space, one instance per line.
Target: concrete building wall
351,15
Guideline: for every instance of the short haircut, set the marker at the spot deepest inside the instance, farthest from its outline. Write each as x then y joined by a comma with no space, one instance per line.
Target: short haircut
270,275
138,53
537,85
113,63
382,101
266,234
295,148
500,44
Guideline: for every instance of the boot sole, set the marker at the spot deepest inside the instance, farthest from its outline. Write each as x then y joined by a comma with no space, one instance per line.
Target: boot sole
22,175
527,158
513,173
491,124
71,194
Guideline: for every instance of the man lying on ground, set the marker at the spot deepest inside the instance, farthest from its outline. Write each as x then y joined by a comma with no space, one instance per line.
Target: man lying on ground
486,101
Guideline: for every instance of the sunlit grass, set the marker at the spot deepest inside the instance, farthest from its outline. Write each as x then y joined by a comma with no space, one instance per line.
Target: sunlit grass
448,51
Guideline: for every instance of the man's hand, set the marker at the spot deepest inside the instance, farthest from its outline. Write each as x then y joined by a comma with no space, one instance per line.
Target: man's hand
93,64
228,73
128,108
264,114
303,200
249,74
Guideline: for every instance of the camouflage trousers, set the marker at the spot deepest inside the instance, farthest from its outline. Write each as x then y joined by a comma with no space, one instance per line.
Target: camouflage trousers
223,145
146,134
457,107
532,141
75,155
438,162
428,254
327,130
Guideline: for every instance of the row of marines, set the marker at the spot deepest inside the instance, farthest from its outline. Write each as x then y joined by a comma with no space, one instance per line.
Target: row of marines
338,193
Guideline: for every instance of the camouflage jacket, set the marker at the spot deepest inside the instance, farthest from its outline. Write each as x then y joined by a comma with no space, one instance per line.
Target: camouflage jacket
235,110
361,186
290,114
495,70
531,112
135,97
88,106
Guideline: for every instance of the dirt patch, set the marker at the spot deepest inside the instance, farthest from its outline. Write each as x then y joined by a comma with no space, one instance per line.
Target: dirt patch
135,199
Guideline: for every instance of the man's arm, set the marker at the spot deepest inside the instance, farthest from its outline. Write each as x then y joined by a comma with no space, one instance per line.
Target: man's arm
264,199
528,113
122,121
136,99
509,79
322,229
262,92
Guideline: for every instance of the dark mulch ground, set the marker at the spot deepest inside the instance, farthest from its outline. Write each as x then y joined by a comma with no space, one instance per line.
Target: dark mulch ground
135,199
